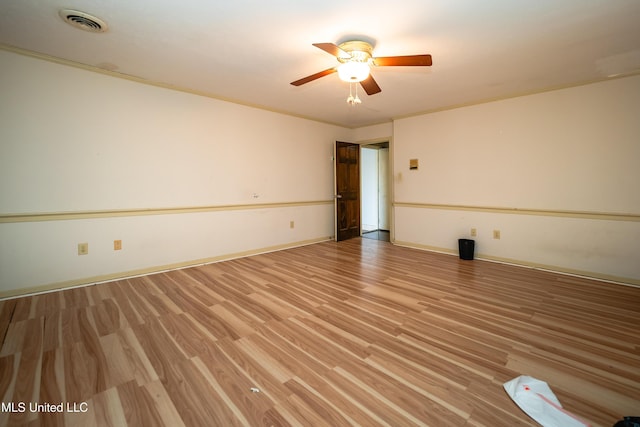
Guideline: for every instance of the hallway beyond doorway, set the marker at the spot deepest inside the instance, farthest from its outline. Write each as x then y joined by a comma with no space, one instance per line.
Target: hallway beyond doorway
382,235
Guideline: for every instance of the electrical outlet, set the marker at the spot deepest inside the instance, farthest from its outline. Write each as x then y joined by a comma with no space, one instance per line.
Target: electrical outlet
496,234
292,224
117,245
83,248
474,233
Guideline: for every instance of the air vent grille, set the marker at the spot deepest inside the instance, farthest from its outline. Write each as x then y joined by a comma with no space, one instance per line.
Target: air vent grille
84,21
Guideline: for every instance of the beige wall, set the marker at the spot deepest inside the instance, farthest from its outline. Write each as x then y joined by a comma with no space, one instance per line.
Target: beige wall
182,179
87,144
557,173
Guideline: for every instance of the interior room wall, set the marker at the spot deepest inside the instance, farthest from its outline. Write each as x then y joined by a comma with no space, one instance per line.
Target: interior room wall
555,173
179,178
374,133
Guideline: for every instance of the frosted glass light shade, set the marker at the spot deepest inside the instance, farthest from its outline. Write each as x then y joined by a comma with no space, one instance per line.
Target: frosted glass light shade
353,71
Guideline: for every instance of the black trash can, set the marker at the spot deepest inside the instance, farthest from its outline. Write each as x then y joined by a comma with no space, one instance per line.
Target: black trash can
466,246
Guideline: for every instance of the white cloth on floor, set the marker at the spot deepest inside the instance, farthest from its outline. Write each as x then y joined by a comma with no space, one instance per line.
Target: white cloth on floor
536,399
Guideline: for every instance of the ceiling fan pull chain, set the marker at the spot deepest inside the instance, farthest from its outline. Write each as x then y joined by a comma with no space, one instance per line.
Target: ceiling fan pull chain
350,98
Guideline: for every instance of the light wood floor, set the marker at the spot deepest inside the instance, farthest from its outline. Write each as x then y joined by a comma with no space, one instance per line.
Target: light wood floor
352,333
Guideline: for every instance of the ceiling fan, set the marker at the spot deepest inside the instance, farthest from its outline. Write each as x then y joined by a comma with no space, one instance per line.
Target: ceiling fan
355,58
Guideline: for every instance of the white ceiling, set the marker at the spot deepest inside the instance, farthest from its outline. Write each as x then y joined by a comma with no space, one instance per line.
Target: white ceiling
249,51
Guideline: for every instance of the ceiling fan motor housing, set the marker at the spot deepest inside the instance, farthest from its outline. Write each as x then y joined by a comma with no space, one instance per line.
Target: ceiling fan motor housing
359,51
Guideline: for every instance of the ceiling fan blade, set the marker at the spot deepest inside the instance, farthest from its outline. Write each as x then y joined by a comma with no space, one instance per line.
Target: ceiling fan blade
370,86
411,60
332,49
315,76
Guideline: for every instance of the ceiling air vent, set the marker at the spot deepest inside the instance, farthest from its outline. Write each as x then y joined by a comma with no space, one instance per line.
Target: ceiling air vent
84,21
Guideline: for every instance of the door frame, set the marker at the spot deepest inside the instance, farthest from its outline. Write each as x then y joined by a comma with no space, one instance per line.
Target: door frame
377,146
390,183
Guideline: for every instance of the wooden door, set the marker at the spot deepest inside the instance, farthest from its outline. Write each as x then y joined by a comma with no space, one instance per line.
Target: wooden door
347,190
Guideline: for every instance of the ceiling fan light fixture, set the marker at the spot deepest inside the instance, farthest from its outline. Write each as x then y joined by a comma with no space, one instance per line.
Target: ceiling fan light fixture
353,71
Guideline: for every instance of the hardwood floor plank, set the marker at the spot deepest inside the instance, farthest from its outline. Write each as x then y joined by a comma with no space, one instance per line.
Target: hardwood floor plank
52,378
213,279
373,400
105,316
183,299
53,338
250,311
119,367
81,419
330,395
137,406
580,382
75,298
14,338
267,308
493,407
302,412
298,301
138,360
359,332
386,293
404,398
23,309
233,387
272,362
8,374
119,290
197,399
382,323
238,322
588,410
335,336
328,413
186,333
613,337
362,303
107,409
351,325
83,377
158,345
322,351
292,358
7,308
163,404
422,384
27,383
254,367
457,337
331,287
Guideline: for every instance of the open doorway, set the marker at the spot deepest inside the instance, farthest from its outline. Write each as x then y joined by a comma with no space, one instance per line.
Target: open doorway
374,166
